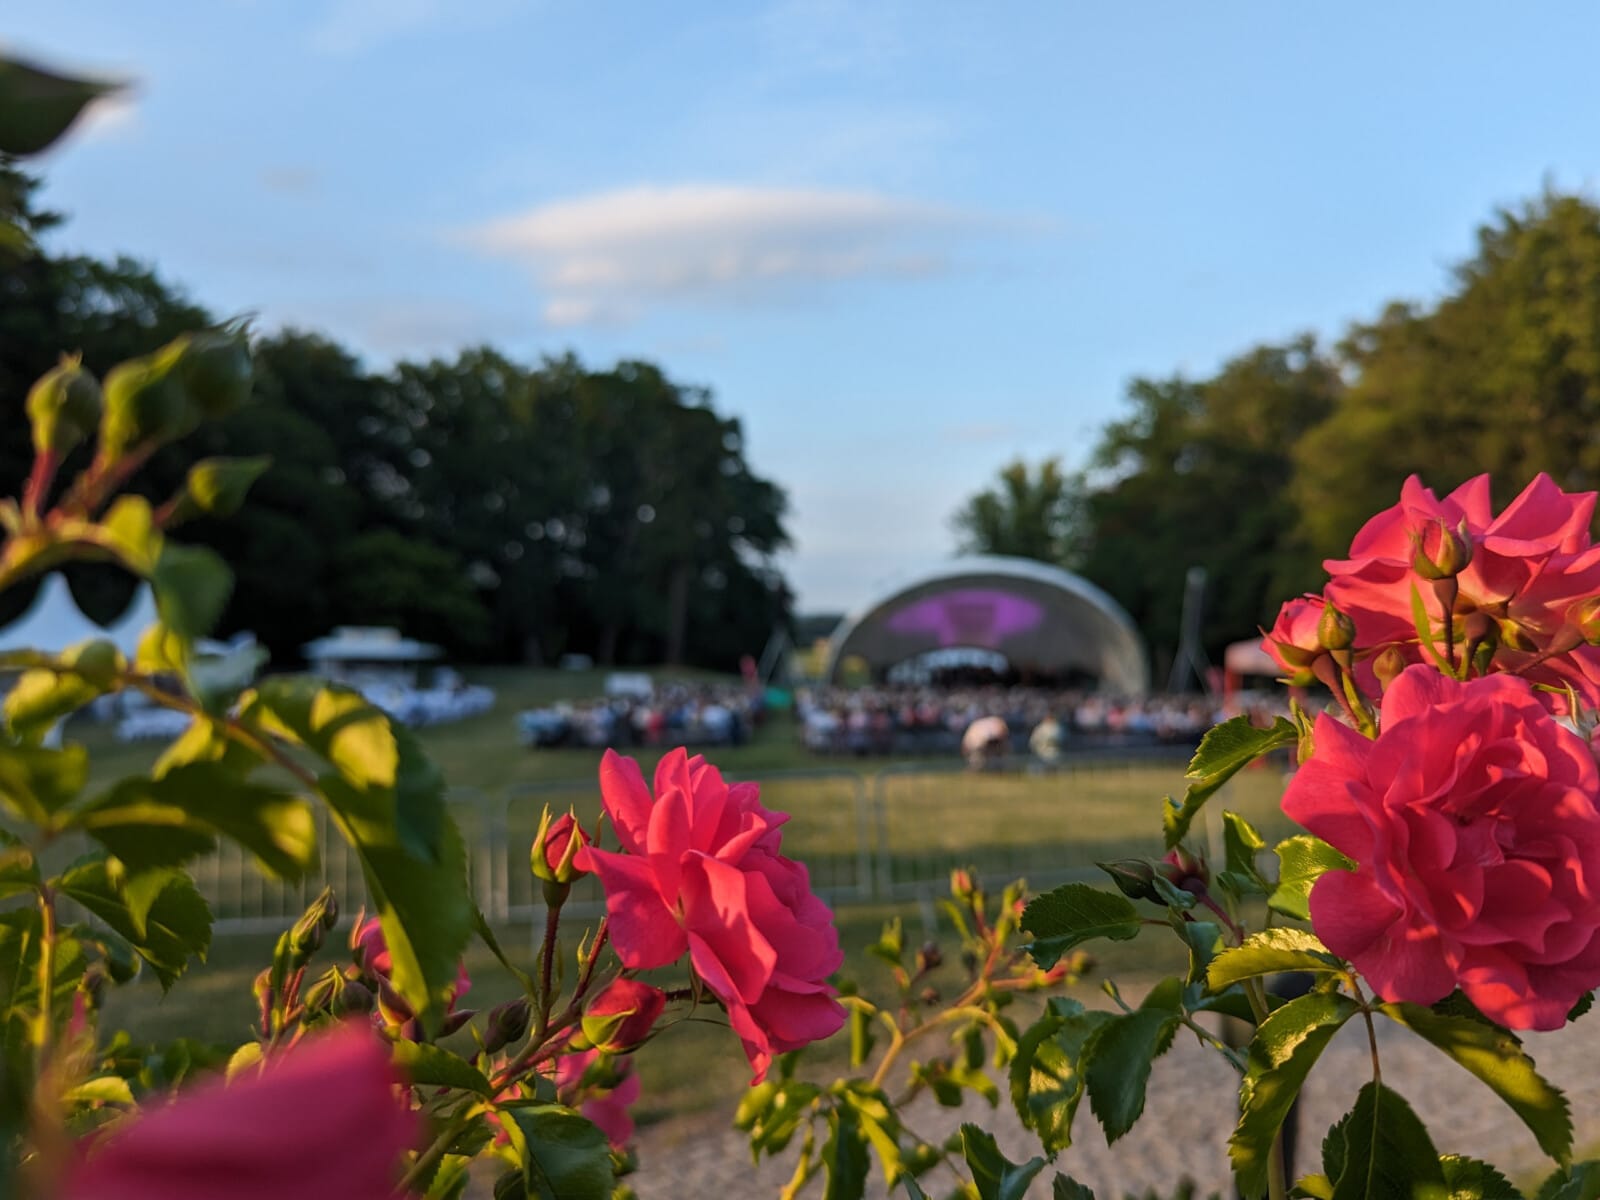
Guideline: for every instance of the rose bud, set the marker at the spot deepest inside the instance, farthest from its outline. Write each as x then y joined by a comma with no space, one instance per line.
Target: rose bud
1388,664
555,848
507,1023
64,407
456,1020
962,885
1584,616
621,1016
1441,552
1335,630
355,997
929,957
1132,876
1186,871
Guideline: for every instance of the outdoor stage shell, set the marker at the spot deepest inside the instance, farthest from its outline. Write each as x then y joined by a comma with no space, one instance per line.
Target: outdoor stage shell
1041,618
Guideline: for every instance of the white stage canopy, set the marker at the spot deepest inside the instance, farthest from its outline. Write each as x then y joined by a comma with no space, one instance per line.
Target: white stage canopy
54,621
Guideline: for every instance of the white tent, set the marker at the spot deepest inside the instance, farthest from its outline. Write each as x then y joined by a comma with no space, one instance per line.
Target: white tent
54,621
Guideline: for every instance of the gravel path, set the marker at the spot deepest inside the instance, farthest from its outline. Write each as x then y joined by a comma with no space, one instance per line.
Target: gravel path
1190,1113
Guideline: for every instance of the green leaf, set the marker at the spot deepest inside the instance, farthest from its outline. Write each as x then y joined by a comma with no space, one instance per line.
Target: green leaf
176,922
1281,1055
1424,626
44,695
450,1180
563,1156
128,530
1470,1179
1118,1066
1223,752
19,870
428,1065
1242,843
1582,1182
245,1058
165,822
861,1039
1495,1057
996,1176
1302,860
1046,1083
1584,1003
388,801
192,586
1267,953
771,1112
38,106
879,1123
218,486
107,1089
1063,1188
1204,939
844,1157
1386,1152
36,782
1075,913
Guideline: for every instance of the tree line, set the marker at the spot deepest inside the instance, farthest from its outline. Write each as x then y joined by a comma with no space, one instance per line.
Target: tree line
1261,471
507,511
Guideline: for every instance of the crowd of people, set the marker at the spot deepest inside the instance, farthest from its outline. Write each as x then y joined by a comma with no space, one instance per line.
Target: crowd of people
989,722
675,714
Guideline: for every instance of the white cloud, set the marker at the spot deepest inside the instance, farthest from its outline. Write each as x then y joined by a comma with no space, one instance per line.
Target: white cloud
612,255
353,26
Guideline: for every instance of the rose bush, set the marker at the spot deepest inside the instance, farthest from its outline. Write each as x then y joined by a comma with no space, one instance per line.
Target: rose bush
703,873
1472,819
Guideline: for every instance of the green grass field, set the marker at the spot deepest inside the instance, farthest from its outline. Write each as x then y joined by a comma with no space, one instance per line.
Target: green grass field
916,821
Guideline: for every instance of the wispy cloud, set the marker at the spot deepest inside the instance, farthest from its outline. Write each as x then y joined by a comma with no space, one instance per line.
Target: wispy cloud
609,257
354,26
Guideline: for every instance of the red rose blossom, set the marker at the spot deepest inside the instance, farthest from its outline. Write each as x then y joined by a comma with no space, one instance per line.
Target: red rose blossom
703,874
1528,566
1473,823
324,1121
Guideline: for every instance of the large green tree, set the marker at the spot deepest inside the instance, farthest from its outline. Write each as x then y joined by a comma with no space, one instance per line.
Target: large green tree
1028,513
1502,375
508,511
1197,475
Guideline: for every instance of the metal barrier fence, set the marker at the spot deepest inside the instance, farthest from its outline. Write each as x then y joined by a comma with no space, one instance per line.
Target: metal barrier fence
892,834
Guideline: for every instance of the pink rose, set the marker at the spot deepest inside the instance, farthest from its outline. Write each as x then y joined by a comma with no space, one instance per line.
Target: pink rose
1528,566
1293,642
620,1017
606,1107
324,1121
1473,822
703,874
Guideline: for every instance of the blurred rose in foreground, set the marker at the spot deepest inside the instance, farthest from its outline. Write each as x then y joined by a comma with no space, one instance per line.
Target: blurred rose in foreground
323,1121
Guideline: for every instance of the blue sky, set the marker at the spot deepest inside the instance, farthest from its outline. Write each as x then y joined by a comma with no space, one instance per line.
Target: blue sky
904,241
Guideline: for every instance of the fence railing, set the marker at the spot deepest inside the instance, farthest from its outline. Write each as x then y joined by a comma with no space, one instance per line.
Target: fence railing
888,834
